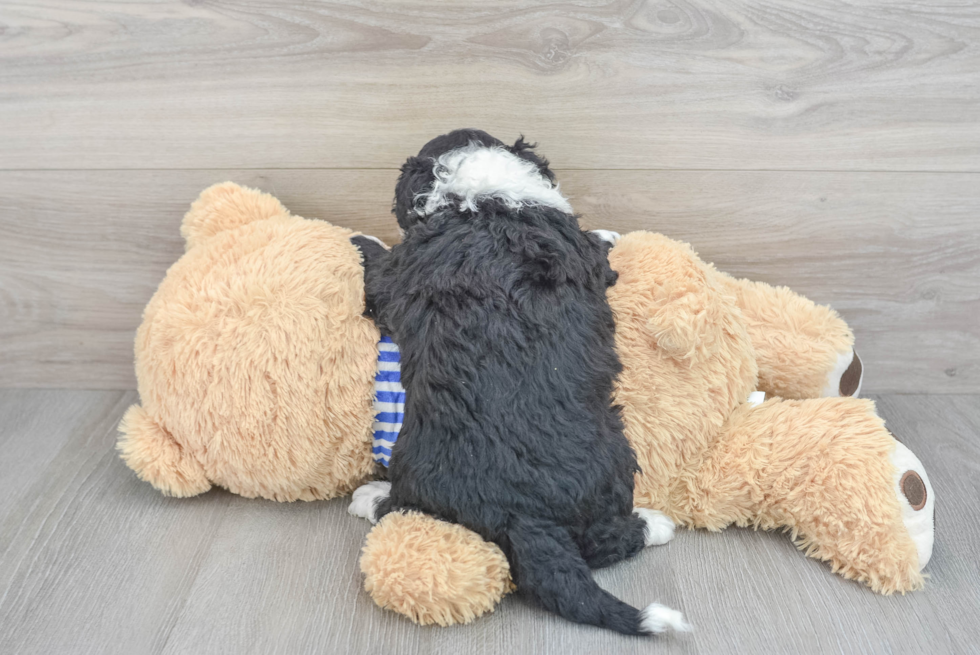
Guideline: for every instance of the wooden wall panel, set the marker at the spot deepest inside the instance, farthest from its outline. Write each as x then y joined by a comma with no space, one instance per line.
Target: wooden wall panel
707,84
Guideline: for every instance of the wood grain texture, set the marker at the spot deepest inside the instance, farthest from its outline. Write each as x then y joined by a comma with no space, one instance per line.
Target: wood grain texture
707,84
833,146
108,565
93,561
897,254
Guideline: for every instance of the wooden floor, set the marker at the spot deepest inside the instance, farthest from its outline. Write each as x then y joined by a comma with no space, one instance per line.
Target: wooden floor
94,561
829,145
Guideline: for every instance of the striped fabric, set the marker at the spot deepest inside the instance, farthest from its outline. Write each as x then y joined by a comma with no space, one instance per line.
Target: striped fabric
389,400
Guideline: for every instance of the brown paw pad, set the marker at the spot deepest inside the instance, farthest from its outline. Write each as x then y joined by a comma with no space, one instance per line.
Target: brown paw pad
914,490
850,381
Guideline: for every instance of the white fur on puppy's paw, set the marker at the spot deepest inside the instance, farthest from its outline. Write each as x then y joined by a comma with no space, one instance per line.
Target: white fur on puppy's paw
659,528
375,239
656,618
366,499
608,236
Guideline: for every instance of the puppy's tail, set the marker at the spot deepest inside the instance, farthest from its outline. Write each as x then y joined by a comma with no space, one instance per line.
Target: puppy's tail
546,564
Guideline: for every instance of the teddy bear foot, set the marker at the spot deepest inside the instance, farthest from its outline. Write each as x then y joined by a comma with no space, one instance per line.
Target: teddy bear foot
846,377
659,528
917,499
366,499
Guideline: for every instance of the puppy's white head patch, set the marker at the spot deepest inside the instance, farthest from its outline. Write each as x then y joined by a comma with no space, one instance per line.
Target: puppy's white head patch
477,172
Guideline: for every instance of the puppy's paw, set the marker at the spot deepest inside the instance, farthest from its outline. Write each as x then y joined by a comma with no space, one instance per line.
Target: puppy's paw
366,499
656,619
659,528
610,237
375,239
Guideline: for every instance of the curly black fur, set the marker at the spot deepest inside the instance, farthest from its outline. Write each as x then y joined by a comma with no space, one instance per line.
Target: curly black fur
508,362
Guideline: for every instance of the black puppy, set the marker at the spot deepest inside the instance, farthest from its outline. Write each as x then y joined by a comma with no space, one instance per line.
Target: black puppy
497,300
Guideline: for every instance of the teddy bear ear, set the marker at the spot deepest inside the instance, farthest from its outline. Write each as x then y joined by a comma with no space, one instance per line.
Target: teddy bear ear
226,206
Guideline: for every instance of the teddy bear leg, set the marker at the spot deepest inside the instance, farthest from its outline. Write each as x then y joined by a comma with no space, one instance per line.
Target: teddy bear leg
804,350
156,458
829,471
432,571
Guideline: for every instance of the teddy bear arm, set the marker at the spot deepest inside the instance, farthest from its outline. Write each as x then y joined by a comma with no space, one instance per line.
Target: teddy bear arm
829,471
803,349
157,458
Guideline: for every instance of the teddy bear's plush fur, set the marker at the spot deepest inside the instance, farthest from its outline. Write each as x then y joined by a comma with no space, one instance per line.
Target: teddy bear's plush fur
255,370
819,467
254,363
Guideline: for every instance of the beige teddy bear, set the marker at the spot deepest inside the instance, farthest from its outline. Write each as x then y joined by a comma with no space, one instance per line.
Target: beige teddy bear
256,369
255,366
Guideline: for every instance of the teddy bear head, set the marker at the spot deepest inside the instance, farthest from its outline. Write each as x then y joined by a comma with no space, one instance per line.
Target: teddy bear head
254,362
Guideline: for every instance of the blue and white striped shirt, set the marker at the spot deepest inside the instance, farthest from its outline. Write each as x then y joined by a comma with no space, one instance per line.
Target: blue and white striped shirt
389,400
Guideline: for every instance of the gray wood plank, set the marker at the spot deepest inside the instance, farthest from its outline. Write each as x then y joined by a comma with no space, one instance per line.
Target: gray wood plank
98,562
897,254
708,84
91,560
36,427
